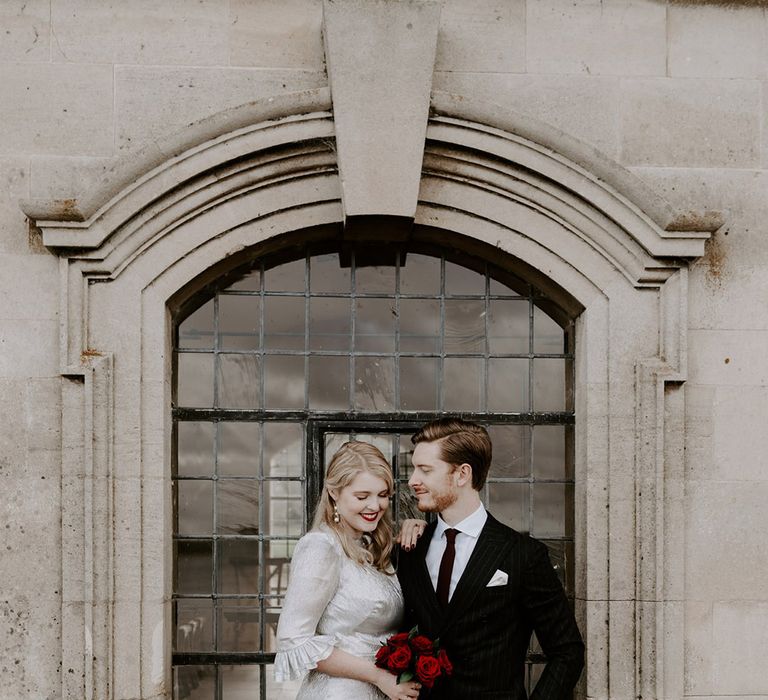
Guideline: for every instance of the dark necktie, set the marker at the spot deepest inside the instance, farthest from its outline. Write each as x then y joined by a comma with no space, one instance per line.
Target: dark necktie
446,567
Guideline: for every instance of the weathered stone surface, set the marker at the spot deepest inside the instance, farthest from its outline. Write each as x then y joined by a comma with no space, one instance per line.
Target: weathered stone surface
28,348
724,559
65,177
698,647
717,41
25,30
14,185
623,37
56,109
583,106
140,31
380,107
728,358
740,647
154,101
276,34
500,23
30,646
690,122
29,288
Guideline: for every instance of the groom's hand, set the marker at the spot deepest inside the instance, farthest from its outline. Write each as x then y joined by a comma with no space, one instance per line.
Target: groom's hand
410,531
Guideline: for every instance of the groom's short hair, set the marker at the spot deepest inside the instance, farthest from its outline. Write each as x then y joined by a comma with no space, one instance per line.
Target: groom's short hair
460,442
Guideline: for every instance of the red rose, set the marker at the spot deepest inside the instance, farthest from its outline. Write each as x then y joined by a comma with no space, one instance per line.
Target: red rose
428,670
445,662
421,644
398,640
382,655
400,658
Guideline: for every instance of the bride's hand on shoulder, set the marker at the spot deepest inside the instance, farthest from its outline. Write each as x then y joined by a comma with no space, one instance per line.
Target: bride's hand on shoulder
388,685
410,531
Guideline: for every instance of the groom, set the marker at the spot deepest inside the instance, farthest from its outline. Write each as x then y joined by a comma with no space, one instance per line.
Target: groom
477,585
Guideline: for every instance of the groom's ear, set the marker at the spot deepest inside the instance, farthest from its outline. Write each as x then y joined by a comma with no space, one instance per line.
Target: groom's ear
464,474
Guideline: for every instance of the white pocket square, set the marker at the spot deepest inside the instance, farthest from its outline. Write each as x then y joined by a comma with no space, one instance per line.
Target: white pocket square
498,579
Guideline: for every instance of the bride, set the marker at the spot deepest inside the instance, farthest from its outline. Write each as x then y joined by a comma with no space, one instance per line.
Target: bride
343,598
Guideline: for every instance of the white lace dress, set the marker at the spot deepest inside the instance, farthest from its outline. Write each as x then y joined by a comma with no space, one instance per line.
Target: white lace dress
333,602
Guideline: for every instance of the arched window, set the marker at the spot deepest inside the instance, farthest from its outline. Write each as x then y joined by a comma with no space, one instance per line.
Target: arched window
278,363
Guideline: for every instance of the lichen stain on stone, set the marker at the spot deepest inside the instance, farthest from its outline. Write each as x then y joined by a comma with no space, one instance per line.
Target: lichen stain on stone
87,354
714,259
695,221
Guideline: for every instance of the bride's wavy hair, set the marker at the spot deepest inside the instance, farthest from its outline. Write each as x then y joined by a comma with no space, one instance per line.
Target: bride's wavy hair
351,459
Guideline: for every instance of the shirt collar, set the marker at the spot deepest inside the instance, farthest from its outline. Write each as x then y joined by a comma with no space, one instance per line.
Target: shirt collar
472,525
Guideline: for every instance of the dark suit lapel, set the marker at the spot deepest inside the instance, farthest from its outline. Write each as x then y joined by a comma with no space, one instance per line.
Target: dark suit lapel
425,593
492,547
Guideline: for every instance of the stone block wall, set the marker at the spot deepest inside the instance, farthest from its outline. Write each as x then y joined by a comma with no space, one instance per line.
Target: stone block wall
673,91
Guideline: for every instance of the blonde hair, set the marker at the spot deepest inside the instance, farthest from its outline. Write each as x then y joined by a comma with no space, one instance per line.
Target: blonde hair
351,459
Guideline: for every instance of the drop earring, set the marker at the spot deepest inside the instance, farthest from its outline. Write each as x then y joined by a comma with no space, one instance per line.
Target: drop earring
336,516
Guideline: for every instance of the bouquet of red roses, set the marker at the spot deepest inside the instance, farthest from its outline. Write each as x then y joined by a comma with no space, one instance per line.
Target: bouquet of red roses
412,655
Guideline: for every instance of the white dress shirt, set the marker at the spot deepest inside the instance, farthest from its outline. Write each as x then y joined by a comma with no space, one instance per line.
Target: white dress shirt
466,539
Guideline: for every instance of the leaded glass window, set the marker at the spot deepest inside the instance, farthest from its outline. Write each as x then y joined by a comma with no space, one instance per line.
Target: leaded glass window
292,355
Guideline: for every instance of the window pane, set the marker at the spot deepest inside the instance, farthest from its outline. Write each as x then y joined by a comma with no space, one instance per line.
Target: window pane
464,326
196,331
327,275
239,322
329,323
238,566
249,282
277,567
418,383
420,275
509,503
375,325
508,385
382,441
328,383
195,380
195,448
511,450
461,280
420,325
463,384
548,336
283,449
549,385
285,507
239,631
508,326
194,566
195,507
375,280
239,449
239,381
549,511
549,452
374,384
194,625
194,682
242,682
284,323
286,278
237,507
560,553
284,381
333,443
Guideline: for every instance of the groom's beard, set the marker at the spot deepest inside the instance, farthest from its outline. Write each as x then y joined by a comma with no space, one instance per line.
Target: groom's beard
440,501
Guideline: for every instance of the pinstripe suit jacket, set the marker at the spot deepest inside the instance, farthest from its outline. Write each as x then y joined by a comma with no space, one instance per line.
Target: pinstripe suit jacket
486,631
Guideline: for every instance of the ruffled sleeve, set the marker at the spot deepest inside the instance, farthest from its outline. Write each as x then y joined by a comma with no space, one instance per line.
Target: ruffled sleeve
315,568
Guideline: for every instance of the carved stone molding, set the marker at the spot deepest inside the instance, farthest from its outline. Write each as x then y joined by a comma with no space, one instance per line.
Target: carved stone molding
236,186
